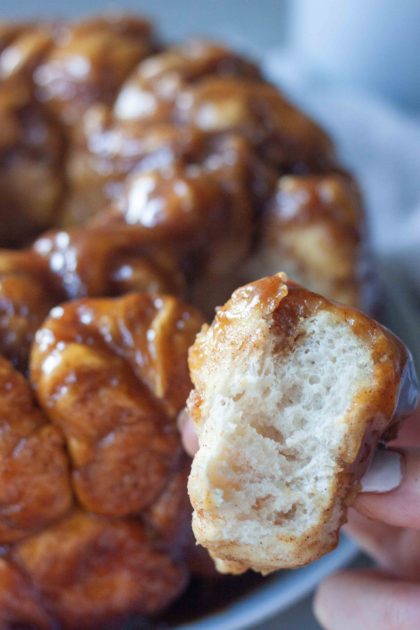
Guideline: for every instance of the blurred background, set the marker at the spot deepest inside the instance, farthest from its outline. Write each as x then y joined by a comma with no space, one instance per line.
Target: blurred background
261,23
353,64
374,44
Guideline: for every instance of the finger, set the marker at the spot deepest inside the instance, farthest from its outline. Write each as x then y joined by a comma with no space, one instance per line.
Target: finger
188,435
391,489
409,432
395,549
368,600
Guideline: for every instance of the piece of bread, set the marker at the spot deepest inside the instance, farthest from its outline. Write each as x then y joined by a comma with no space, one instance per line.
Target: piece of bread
313,229
292,393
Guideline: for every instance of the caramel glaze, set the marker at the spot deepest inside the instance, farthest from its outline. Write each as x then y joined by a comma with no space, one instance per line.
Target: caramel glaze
154,87
192,149
113,376
108,262
166,152
26,296
89,61
314,230
31,165
179,96
34,472
188,143
94,514
92,571
77,263
19,600
72,65
50,73
23,46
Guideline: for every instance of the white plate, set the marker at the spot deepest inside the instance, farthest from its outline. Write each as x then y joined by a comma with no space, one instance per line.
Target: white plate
279,593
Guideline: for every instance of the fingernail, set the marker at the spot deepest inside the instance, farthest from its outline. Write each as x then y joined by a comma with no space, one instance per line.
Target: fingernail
385,472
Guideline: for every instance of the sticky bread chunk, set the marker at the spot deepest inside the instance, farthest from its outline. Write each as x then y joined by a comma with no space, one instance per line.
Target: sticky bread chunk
26,296
151,89
24,47
112,375
92,572
313,228
19,601
62,265
31,165
89,61
292,393
107,261
34,472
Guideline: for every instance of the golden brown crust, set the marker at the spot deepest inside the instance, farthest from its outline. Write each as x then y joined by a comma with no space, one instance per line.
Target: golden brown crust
91,571
193,129
23,46
26,296
34,472
49,74
89,61
31,165
154,87
314,229
101,261
183,97
19,601
257,111
113,376
208,134
81,262
197,205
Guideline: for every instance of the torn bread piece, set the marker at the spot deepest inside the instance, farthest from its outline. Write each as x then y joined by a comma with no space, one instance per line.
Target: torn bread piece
292,394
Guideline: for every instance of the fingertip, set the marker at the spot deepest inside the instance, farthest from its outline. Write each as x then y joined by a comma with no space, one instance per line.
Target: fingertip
188,434
385,472
368,599
189,439
318,603
324,599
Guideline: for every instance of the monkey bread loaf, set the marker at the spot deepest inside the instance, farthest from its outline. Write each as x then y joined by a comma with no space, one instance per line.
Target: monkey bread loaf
140,184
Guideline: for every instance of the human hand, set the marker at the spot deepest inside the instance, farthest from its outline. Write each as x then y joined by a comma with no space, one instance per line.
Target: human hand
385,521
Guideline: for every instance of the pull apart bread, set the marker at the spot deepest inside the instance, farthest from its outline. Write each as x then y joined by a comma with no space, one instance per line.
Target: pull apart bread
292,395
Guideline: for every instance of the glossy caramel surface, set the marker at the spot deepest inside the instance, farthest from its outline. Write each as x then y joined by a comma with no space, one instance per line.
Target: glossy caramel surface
31,165
94,514
92,570
186,145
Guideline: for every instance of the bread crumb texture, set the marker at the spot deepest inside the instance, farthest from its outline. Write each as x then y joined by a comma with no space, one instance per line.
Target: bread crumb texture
292,393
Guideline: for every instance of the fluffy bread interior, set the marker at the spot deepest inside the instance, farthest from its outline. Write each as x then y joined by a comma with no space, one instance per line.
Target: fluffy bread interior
281,410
